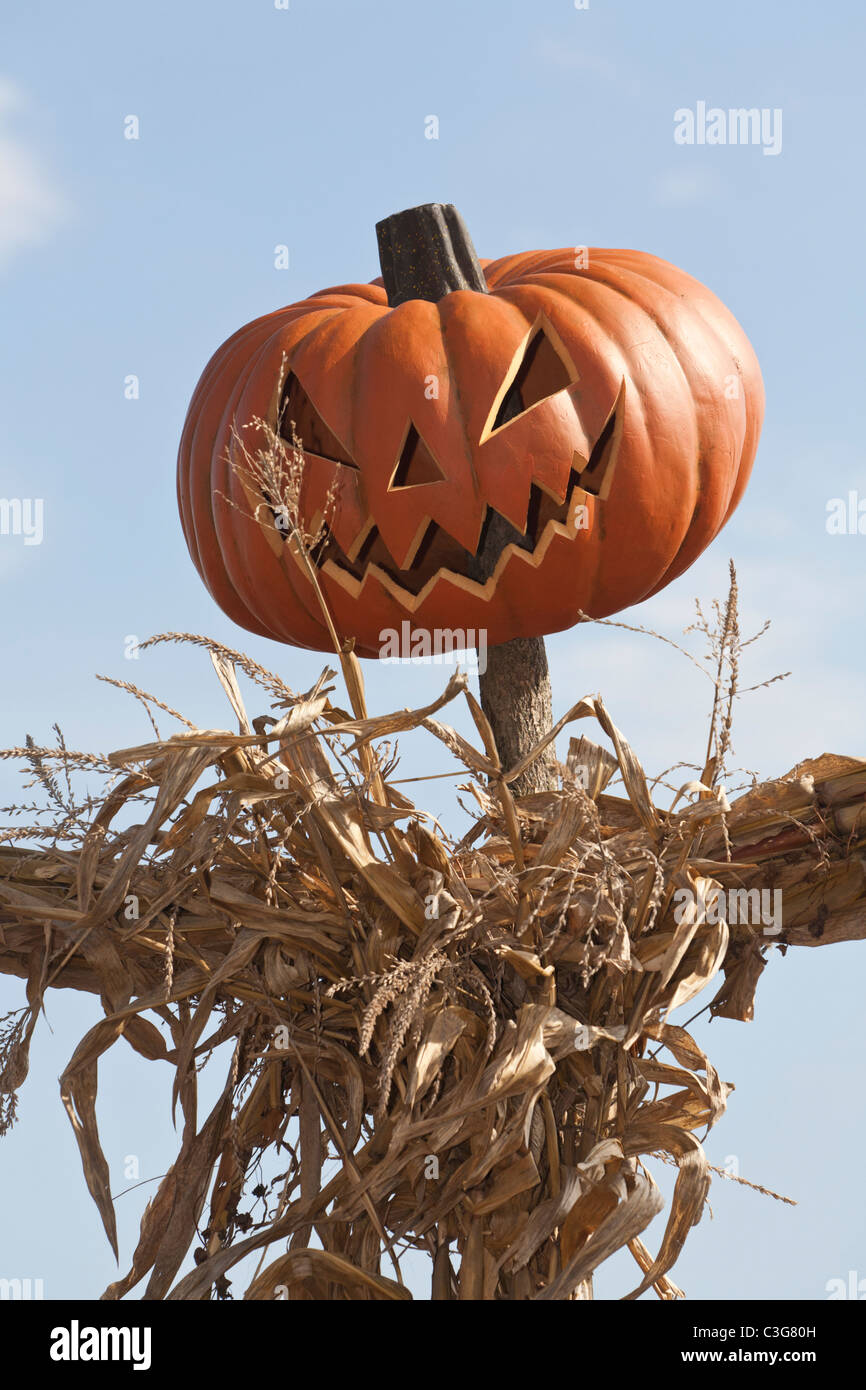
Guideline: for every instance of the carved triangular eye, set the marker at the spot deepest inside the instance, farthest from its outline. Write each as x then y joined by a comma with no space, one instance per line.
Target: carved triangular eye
540,370
416,464
597,477
316,437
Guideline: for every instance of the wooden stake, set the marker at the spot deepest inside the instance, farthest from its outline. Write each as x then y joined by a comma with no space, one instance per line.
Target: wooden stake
426,252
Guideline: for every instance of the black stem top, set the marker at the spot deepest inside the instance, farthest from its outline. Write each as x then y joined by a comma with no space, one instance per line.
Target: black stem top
426,253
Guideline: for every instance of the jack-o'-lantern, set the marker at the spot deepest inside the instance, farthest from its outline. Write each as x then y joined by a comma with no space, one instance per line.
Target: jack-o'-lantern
571,439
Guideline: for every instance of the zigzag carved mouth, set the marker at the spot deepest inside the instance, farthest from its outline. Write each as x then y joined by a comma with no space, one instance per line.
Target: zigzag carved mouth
439,551
438,554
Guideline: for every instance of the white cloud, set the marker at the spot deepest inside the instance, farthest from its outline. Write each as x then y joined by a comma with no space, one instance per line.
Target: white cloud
30,207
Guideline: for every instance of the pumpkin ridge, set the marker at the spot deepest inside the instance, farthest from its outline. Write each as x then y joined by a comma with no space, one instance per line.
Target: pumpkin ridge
202,499
695,306
462,413
189,449
635,394
690,388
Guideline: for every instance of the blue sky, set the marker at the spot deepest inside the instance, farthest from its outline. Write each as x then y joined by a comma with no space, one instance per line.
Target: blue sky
261,127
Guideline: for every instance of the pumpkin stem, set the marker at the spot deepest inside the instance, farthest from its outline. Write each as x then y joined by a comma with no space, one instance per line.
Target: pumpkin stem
425,253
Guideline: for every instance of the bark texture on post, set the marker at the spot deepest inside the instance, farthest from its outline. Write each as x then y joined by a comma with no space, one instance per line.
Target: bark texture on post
516,697
426,252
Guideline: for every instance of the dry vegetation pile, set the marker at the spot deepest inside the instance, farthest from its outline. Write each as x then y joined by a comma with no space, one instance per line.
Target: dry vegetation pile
463,1048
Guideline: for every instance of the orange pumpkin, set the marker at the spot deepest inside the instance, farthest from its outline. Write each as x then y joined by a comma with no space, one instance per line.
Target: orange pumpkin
599,413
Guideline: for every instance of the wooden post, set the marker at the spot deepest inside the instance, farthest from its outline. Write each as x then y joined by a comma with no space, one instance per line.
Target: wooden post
426,252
